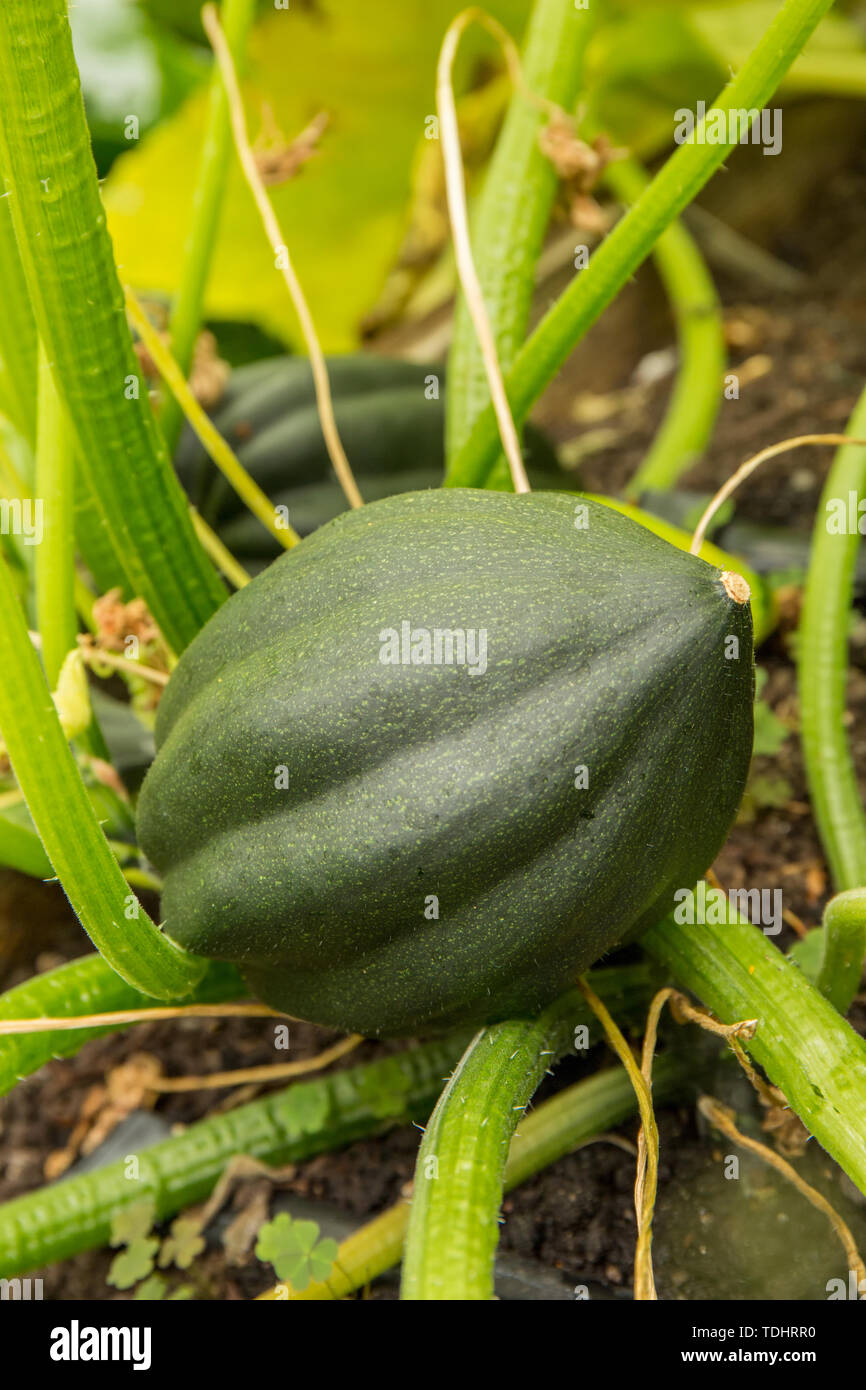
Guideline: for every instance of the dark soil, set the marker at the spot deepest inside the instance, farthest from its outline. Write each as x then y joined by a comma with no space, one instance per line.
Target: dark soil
802,358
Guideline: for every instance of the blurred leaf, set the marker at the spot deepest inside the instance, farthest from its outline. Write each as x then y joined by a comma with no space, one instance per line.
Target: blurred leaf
132,1264
768,792
641,67
834,59
152,1289
184,16
295,1251
132,1222
808,953
373,72
183,1244
129,66
770,732
648,60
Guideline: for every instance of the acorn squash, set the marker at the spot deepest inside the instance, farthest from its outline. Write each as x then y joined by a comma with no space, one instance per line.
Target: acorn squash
445,754
391,418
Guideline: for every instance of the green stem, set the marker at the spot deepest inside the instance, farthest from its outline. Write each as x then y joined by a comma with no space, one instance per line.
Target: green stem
21,849
69,268
85,986
802,1043
630,242
822,661
508,230
55,555
236,17
454,1220
49,778
844,938
58,583
822,672
688,424
556,1128
308,1118
17,334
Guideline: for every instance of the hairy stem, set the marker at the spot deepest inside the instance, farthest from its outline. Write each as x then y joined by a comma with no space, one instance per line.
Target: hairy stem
805,1048
454,1221
822,660
688,423
237,17
69,268
55,555
631,241
509,229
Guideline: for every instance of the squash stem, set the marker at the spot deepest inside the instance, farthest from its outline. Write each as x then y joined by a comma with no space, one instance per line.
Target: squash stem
466,270
631,241
822,661
803,1044
48,776
574,1117
55,555
237,18
87,985
507,231
844,939
307,1118
69,269
453,1226
688,423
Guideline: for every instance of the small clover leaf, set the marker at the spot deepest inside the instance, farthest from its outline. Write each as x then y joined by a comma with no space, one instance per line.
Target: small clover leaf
132,1222
770,792
304,1110
133,1263
322,1259
295,1251
183,1244
152,1289
385,1091
770,731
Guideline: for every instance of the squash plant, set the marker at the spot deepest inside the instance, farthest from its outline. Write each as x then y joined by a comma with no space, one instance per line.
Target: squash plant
434,762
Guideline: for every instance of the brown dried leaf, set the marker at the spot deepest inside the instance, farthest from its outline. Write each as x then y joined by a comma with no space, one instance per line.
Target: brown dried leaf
209,373
279,160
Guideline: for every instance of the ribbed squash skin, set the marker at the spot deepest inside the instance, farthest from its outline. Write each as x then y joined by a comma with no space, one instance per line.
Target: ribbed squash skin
393,434
606,649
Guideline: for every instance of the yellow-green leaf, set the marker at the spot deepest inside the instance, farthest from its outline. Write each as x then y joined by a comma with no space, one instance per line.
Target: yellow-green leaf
373,71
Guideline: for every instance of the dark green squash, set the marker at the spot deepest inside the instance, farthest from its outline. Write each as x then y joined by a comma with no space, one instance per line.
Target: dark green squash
422,788
391,418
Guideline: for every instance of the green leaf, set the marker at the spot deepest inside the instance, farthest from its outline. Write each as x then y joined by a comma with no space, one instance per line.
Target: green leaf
128,66
152,1289
295,1251
807,952
132,1223
132,1264
834,59
768,792
302,1111
183,1244
644,64
770,732
20,846
385,1093
344,216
